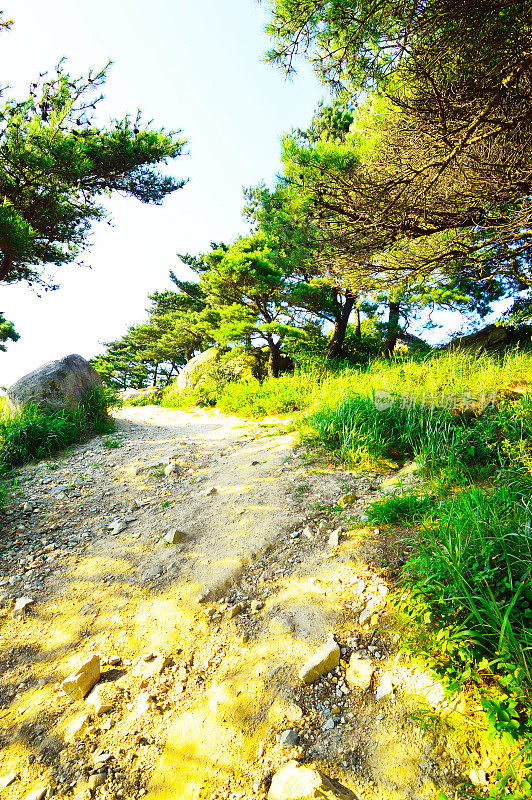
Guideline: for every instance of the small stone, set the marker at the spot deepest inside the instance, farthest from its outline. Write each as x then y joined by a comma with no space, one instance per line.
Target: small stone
114,661
57,490
328,725
102,698
382,590
21,604
289,738
334,538
256,605
96,780
79,683
325,659
359,672
209,492
151,668
373,606
307,532
27,507
170,469
385,686
143,704
7,780
116,526
347,500
234,610
175,536
77,728
37,794
152,572
295,781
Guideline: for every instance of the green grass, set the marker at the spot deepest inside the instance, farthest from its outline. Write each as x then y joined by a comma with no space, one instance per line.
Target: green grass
33,433
401,508
249,398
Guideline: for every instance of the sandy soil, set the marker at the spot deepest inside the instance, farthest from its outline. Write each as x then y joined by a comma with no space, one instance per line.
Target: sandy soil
201,640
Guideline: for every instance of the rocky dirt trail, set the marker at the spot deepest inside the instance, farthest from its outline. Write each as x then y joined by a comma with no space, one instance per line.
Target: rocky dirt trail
203,559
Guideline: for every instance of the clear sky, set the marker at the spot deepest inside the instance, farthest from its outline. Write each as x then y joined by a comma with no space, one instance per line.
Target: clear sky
195,65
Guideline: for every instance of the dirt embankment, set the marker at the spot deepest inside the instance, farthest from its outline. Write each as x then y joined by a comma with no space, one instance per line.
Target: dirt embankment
203,561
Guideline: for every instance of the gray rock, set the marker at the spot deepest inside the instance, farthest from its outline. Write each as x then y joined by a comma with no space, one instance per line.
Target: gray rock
80,682
152,572
7,780
116,526
295,781
372,607
195,368
334,538
328,725
175,536
59,490
323,660
37,794
96,780
57,385
359,672
289,738
21,604
385,688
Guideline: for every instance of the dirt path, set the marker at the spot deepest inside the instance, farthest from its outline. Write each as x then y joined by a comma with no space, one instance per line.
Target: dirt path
196,559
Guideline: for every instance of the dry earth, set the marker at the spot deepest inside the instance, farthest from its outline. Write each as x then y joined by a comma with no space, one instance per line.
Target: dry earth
201,640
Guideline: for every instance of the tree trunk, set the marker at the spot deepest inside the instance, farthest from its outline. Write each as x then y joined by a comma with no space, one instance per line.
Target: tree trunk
358,329
393,328
5,268
275,357
336,341
155,371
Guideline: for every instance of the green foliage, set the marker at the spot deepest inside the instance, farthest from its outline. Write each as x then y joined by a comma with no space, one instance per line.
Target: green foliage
147,399
56,165
33,433
404,507
7,331
250,398
111,442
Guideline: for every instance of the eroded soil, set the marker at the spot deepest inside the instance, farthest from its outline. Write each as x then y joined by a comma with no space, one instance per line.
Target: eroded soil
201,641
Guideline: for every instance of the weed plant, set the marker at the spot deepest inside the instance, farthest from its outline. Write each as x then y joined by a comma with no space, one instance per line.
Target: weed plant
250,398
402,508
34,433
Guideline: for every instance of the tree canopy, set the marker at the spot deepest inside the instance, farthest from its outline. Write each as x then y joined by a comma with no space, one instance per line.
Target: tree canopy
57,164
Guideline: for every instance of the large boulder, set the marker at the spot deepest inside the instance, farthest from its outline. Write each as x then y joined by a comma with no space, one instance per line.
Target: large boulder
229,365
494,338
55,386
194,369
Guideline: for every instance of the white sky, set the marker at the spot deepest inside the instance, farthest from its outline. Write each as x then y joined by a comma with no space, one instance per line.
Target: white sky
197,66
